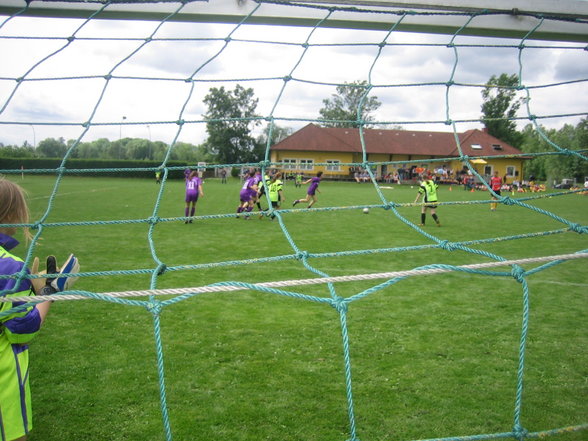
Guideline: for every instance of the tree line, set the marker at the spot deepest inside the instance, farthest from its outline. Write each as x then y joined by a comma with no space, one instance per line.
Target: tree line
231,119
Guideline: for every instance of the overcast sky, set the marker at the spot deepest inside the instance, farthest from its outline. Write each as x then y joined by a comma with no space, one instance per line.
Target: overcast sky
333,56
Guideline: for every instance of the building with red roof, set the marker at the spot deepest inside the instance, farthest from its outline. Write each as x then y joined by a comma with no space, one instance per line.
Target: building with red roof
339,152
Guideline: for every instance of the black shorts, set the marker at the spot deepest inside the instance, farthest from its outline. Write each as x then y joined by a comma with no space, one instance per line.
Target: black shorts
497,192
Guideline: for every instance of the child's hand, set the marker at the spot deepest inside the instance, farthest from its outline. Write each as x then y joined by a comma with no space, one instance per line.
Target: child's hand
51,285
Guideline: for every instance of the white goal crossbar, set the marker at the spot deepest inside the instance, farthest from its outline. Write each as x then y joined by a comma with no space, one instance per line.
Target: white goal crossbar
565,20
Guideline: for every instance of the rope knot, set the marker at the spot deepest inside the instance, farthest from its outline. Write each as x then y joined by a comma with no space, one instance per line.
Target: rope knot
520,432
265,164
154,307
302,255
153,220
507,200
161,269
518,273
340,304
390,205
578,228
447,246
448,122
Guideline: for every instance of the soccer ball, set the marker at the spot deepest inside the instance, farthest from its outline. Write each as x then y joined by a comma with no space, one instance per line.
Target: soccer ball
366,210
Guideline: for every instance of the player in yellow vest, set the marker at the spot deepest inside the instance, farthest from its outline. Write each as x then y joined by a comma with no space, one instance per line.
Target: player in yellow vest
428,189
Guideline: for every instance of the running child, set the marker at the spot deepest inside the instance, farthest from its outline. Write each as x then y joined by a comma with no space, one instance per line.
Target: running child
312,190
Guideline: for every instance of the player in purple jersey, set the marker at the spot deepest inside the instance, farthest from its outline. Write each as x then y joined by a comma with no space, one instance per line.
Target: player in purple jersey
247,193
312,189
193,190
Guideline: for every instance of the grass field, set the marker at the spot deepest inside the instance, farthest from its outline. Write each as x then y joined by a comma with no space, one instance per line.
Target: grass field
431,356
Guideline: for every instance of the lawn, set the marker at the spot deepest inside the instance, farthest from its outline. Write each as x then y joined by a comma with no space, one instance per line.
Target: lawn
431,356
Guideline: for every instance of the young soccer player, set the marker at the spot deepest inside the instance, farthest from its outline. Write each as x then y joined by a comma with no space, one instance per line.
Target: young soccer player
312,189
248,190
298,180
275,191
193,191
428,188
18,327
495,185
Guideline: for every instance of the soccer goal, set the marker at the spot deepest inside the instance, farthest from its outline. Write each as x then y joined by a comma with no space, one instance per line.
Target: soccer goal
85,71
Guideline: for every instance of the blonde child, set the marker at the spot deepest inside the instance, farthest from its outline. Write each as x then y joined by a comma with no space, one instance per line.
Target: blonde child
19,326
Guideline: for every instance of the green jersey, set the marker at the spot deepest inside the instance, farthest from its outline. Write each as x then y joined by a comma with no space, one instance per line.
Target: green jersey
429,189
274,190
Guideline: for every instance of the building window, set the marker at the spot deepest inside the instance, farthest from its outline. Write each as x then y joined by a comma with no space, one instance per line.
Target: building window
496,146
333,165
289,164
511,171
306,164
476,147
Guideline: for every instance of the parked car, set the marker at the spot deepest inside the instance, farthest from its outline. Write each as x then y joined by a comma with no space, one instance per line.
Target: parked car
565,184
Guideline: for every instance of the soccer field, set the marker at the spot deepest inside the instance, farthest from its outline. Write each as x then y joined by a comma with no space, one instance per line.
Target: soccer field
431,356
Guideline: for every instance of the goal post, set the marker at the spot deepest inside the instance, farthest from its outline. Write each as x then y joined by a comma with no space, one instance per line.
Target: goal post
560,21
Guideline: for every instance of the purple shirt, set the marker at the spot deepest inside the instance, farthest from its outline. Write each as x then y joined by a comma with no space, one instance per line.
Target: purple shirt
193,184
314,183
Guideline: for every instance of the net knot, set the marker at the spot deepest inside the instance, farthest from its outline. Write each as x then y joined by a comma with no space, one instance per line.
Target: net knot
148,40
465,158
265,164
450,45
382,44
450,83
448,122
228,39
161,269
518,273
86,124
532,117
302,255
180,122
19,79
390,205
340,304
107,77
304,45
154,307
71,38
507,200
520,432
287,78
153,220
578,228
447,246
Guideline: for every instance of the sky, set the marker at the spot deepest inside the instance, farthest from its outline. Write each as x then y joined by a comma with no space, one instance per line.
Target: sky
402,74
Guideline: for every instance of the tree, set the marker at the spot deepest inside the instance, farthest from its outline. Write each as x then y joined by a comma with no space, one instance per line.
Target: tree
500,106
52,148
342,108
277,134
230,120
